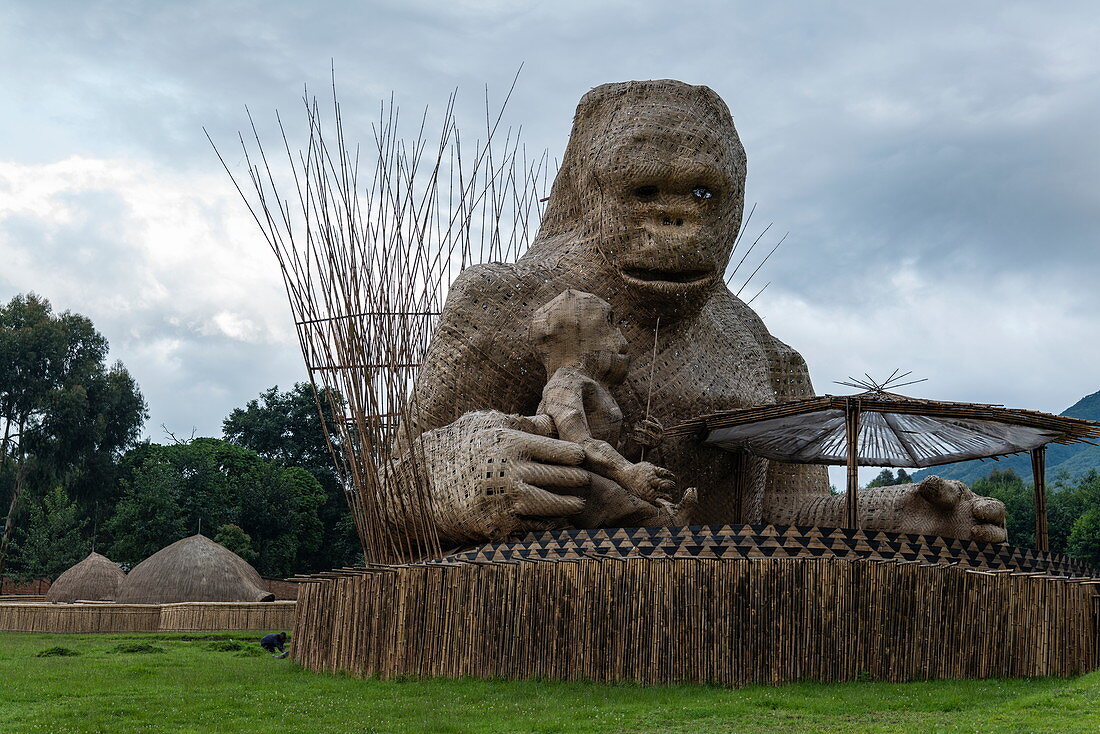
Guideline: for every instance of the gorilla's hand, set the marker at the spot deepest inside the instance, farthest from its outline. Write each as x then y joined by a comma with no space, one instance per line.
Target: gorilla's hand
490,479
939,506
935,506
648,432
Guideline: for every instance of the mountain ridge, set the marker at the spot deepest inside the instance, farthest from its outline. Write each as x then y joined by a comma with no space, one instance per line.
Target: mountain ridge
1076,459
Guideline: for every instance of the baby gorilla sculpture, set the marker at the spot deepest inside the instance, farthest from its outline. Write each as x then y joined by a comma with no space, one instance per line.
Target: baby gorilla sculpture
582,350
643,214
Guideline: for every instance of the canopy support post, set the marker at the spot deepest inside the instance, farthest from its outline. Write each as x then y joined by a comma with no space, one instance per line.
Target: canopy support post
1039,474
851,439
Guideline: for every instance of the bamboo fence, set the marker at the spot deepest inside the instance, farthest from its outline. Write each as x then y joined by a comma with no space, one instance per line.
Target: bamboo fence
726,622
85,617
227,616
79,618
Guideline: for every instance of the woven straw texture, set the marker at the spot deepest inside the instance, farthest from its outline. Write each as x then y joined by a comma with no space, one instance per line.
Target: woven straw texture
193,569
643,214
96,578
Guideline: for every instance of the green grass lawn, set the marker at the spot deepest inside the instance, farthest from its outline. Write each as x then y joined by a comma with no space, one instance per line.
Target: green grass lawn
212,683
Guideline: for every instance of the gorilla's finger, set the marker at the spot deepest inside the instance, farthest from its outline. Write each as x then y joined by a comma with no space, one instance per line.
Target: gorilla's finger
942,493
544,475
687,506
665,474
534,501
989,533
551,450
989,510
666,485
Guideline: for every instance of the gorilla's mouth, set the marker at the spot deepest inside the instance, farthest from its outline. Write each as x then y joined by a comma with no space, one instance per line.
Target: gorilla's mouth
661,275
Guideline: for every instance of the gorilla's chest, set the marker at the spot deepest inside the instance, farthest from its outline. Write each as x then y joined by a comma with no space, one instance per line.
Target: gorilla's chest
714,362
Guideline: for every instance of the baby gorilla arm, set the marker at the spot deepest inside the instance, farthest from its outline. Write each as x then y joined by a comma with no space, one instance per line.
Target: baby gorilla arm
568,399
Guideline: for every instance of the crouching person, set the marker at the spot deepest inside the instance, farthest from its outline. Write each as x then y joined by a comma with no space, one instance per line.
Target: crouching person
275,641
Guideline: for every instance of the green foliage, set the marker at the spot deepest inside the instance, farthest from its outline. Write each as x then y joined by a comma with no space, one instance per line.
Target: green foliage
1084,537
1073,511
148,516
53,539
285,427
236,540
168,490
886,478
105,692
65,415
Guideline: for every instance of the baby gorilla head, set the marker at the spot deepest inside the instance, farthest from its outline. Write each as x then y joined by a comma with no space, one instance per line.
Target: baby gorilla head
654,175
578,329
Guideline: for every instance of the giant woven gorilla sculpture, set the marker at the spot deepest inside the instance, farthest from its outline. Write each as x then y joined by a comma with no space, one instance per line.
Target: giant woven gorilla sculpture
643,213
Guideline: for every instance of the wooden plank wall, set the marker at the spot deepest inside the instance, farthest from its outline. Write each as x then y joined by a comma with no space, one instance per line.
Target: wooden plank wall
726,622
110,617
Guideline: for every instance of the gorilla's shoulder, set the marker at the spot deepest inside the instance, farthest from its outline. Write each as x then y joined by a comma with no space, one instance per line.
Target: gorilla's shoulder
788,368
484,282
493,291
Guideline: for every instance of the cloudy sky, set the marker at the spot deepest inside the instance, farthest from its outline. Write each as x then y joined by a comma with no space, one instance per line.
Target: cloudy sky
935,164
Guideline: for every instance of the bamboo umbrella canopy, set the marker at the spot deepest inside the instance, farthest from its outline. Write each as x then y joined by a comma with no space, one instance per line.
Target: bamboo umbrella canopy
96,578
881,428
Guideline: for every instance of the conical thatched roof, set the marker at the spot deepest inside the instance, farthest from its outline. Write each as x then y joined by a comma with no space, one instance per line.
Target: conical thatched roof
95,578
193,569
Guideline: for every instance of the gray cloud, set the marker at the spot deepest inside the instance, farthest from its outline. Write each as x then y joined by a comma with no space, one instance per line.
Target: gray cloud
935,165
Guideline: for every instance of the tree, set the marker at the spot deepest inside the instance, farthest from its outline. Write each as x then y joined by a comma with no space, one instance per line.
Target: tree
1069,500
148,516
64,414
52,540
1069,504
169,491
233,538
1084,538
286,427
886,478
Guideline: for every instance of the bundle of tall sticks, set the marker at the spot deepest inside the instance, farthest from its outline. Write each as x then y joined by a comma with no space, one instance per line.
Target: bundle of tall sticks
368,245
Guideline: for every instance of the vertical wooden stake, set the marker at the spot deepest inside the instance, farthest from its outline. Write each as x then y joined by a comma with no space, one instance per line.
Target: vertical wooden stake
1039,474
851,437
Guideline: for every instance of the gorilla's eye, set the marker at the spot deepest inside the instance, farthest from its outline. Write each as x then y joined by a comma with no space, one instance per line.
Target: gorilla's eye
646,193
702,192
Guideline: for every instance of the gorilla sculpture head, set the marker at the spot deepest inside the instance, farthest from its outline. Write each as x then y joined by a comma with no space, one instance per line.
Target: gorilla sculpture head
654,179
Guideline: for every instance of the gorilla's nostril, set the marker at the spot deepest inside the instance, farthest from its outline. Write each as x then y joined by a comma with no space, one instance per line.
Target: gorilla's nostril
666,221
679,222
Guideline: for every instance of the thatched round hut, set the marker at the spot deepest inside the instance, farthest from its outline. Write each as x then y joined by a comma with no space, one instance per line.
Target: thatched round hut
193,569
96,578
